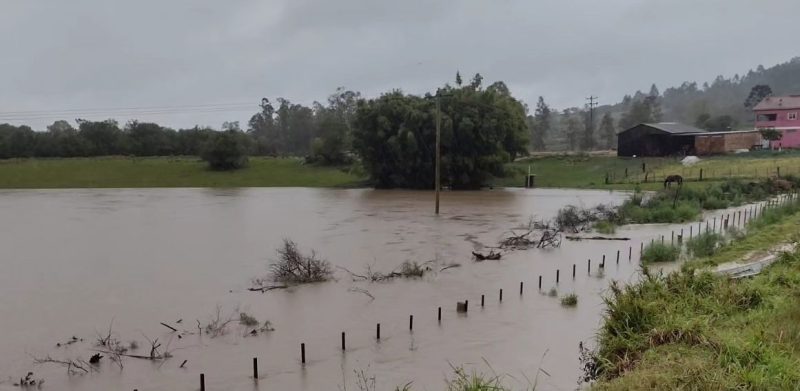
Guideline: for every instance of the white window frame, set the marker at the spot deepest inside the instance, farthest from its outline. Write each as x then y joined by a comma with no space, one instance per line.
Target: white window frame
792,116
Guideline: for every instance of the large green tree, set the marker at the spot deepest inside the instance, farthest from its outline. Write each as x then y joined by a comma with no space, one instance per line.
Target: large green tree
481,130
226,150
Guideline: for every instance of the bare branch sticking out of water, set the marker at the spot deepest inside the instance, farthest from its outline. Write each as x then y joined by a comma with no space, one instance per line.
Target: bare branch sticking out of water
407,269
293,267
74,367
364,291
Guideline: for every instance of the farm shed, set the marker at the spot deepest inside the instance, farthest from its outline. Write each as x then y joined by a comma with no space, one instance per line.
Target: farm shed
710,143
658,139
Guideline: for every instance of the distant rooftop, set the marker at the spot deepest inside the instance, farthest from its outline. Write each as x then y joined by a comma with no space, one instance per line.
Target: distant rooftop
779,102
675,127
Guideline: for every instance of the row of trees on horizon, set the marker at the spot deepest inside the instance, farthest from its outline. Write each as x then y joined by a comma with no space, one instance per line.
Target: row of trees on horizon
325,132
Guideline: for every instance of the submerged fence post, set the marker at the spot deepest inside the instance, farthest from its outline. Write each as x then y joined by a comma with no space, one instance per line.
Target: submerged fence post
557,273
589,267
483,297
303,353
617,257
603,263
690,231
255,363
343,345
630,252
573,276
520,288
501,294
439,316
378,331
411,322
202,382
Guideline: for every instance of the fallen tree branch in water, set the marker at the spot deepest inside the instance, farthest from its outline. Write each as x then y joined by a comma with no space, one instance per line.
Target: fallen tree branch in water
450,266
407,270
259,287
364,291
74,367
492,256
168,326
595,238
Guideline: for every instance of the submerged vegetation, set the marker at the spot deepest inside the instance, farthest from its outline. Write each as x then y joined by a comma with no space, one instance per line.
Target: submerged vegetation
705,244
658,252
570,300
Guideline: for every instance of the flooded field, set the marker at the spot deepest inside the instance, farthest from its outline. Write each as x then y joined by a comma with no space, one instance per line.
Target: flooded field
74,260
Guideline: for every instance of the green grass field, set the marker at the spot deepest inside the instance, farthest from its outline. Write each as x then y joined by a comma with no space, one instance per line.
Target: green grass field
118,172
589,171
567,171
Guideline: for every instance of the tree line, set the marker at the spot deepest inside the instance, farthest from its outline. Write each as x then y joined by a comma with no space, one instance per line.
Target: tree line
319,132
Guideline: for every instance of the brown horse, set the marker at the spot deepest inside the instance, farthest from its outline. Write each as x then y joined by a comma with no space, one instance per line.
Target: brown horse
673,178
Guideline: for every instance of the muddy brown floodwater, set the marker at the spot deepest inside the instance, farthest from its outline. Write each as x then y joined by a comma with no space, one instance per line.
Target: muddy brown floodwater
74,260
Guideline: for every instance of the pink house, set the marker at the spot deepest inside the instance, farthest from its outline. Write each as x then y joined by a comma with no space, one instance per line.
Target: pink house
783,114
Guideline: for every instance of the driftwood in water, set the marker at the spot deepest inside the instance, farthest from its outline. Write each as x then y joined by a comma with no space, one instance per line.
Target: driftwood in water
492,256
264,288
595,238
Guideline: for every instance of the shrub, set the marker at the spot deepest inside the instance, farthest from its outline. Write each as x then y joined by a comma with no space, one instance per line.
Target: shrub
660,252
605,227
705,244
570,300
296,268
226,150
247,319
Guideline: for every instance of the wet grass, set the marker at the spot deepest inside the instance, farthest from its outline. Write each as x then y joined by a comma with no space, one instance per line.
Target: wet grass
589,171
774,226
124,172
694,330
690,330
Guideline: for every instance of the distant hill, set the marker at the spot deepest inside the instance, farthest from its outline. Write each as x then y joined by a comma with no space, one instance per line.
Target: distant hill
723,96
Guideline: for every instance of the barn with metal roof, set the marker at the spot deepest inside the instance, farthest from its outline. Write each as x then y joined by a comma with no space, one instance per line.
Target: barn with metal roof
672,138
657,139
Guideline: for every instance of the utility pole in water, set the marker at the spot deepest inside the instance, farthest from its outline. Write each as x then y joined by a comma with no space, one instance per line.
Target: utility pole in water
438,151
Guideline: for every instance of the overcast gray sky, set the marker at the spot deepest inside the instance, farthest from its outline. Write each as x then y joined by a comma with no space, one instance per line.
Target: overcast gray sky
93,54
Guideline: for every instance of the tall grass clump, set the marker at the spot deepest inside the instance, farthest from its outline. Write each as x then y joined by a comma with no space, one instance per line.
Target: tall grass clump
605,227
570,300
660,252
463,381
705,244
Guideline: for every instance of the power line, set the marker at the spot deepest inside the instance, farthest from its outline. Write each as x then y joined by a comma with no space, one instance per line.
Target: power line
115,109
164,110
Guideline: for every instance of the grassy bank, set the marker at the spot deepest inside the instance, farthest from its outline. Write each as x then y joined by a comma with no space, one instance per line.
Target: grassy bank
695,330
114,172
589,171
